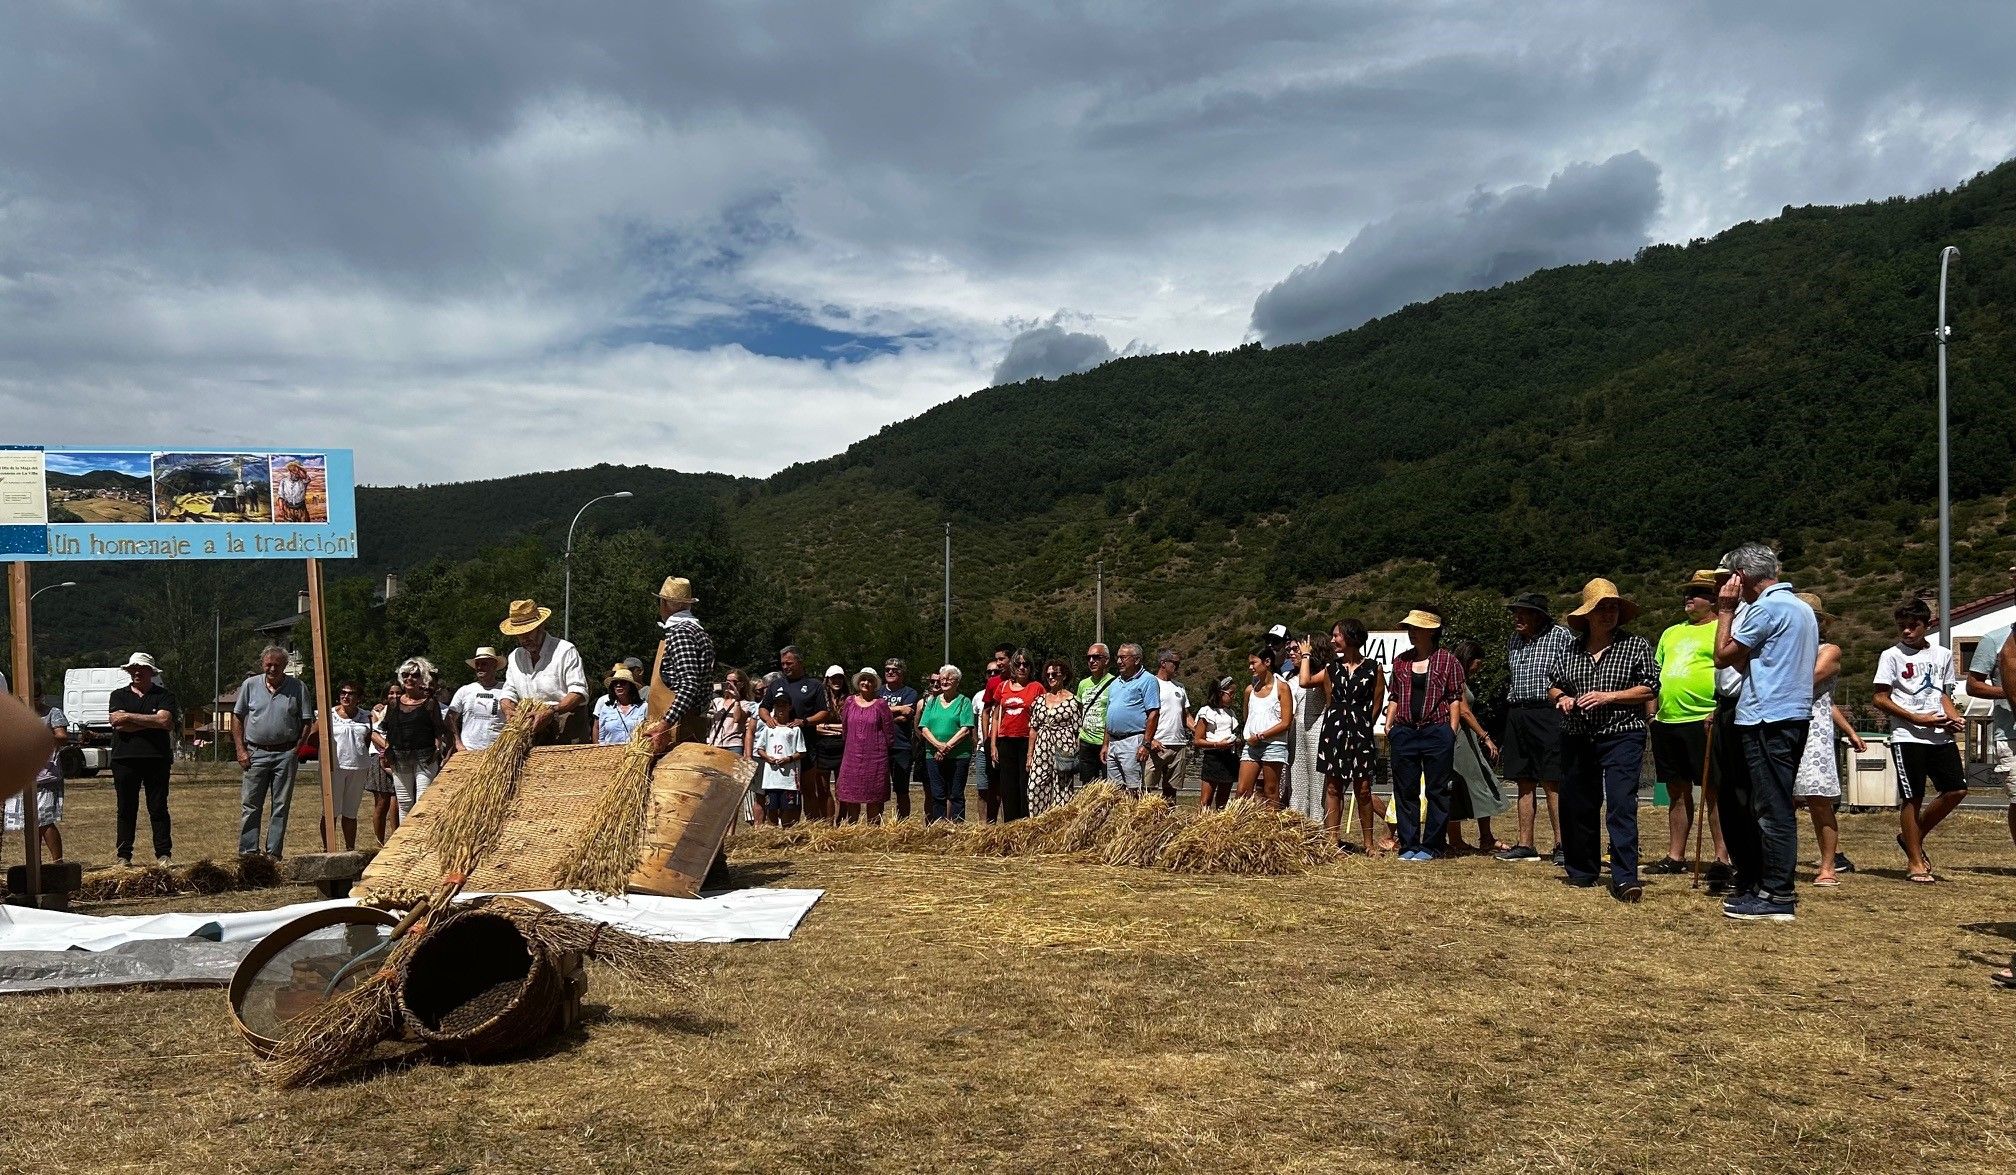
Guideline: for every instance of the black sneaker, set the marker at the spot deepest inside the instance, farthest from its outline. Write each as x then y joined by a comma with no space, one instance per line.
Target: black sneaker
1560,858
1719,877
1668,866
1758,908
1629,893
1842,864
1518,853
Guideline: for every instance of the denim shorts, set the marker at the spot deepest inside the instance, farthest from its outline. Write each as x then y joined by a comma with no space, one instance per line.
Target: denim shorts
1269,752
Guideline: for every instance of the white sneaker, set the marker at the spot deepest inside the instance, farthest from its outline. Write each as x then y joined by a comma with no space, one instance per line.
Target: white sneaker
165,862
125,862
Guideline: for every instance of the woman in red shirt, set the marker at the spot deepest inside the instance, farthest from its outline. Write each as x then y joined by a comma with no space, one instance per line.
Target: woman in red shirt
1008,702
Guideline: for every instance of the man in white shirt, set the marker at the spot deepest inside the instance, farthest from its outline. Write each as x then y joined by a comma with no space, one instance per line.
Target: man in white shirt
476,713
1914,682
544,668
1169,742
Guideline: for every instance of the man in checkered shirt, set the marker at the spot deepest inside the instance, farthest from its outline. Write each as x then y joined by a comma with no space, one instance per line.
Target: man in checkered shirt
687,666
1532,753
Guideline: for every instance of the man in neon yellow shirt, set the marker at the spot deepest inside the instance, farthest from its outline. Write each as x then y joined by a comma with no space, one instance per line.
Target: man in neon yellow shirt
1686,660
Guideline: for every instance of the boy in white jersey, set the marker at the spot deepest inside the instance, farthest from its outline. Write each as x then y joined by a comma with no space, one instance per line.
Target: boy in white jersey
1914,680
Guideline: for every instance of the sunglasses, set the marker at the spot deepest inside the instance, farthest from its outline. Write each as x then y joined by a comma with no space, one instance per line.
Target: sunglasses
1053,673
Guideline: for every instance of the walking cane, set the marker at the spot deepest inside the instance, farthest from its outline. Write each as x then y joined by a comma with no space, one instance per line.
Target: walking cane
1701,808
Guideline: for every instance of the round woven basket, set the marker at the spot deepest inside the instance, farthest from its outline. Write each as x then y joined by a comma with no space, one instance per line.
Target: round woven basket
475,986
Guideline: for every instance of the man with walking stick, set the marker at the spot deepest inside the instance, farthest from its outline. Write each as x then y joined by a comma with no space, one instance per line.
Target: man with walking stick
1681,730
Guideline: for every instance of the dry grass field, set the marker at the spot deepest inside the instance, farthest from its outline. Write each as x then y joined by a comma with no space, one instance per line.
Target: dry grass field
939,1013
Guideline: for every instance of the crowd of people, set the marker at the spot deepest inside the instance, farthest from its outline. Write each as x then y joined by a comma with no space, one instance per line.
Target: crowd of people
1734,703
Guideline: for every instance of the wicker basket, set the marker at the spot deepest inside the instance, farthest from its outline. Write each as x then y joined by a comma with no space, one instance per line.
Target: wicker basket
474,986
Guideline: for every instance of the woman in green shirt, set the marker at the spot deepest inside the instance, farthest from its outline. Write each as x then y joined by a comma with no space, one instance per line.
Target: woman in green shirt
946,725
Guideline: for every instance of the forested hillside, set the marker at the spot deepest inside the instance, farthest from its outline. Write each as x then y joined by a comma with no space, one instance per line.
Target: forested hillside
1629,419
1626,419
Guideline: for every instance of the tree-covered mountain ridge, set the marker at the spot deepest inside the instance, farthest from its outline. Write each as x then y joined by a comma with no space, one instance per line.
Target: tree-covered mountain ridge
1625,419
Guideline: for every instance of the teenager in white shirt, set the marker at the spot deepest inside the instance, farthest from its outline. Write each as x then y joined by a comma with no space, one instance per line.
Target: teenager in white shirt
1914,680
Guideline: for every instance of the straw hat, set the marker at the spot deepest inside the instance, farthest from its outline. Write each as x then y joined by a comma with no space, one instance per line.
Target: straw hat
484,653
620,673
1420,619
293,465
1706,578
1595,592
525,616
1812,601
677,591
141,659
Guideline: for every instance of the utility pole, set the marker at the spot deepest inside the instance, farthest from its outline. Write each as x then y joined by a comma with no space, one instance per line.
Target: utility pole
217,684
1946,255
948,595
1099,604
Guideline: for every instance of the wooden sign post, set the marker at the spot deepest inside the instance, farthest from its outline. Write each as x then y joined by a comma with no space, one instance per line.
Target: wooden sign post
24,688
325,757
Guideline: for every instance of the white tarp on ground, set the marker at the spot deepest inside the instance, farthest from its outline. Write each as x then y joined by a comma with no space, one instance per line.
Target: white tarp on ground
736,916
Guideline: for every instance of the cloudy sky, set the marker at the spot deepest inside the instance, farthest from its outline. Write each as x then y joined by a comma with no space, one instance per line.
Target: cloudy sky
479,238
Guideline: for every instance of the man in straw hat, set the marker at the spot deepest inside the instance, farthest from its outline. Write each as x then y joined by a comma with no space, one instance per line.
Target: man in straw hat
544,668
142,717
1421,716
1602,689
1773,639
685,665
1531,756
1680,729
476,713
290,493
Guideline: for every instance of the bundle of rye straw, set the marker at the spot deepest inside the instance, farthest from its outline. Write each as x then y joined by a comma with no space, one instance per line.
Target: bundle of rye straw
613,841
475,814
1102,823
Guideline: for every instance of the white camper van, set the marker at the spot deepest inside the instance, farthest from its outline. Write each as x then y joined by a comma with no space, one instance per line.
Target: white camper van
86,693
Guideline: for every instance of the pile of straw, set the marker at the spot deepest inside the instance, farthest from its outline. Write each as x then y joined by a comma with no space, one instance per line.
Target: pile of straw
1101,823
475,814
613,841
251,871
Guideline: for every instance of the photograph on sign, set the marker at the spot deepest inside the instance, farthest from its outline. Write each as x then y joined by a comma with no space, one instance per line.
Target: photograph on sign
212,487
300,487
87,486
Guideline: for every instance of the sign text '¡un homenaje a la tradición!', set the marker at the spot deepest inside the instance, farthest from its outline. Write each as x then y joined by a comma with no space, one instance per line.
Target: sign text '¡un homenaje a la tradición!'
228,544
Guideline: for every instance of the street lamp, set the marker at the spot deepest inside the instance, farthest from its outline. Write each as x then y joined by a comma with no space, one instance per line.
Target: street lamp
50,588
567,564
1946,255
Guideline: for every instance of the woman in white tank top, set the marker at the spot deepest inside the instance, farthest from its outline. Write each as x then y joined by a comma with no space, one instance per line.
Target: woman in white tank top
1270,712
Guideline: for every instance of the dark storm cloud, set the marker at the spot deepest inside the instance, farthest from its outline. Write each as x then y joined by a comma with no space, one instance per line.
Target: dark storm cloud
1049,351
1589,212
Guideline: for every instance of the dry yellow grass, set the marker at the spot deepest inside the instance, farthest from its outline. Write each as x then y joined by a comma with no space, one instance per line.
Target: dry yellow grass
975,1013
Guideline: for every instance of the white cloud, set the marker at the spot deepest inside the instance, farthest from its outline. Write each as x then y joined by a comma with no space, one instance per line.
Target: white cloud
378,225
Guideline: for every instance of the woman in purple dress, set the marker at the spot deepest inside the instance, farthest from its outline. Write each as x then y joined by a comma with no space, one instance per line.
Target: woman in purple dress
864,764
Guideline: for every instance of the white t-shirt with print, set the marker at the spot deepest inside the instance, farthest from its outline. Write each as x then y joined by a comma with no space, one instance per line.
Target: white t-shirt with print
1917,681
780,741
1172,722
482,718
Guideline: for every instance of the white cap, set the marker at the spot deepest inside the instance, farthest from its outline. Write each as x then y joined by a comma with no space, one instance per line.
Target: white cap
141,659
1279,630
835,671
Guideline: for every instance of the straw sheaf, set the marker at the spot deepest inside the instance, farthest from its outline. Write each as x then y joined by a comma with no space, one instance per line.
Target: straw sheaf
612,841
252,871
1101,823
475,815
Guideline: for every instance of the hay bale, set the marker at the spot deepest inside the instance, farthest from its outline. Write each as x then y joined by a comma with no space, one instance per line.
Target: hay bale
1138,837
257,871
207,876
1095,812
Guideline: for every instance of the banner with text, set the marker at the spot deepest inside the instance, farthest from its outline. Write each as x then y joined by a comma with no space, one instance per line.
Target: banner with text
76,504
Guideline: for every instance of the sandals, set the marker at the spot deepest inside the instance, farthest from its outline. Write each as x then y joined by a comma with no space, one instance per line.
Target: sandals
1826,882
1920,878
1907,852
2003,979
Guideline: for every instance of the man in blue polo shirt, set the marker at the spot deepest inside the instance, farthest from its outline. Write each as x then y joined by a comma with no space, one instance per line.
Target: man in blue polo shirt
1134,704
1773,642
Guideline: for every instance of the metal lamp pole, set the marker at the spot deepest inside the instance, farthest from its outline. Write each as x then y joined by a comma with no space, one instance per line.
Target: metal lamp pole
948,595
567,565
1946,256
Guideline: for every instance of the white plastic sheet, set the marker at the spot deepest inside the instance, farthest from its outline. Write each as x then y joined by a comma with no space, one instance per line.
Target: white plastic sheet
737,916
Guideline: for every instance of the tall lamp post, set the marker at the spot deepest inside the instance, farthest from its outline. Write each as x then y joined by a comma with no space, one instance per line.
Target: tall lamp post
31,604
567,564
1946,256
